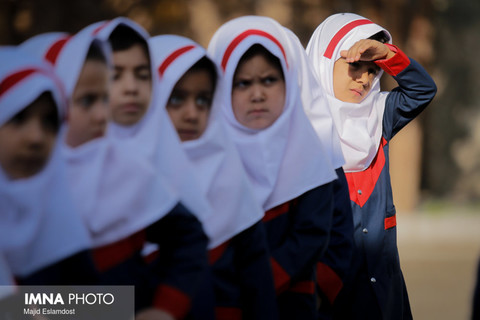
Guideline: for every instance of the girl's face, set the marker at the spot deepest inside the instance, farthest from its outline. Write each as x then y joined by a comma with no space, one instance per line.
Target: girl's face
132,85
353,81
27,139
190,102
88,112
258,93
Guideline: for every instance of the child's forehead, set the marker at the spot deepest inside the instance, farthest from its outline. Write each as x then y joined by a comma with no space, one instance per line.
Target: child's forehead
43,105
135,53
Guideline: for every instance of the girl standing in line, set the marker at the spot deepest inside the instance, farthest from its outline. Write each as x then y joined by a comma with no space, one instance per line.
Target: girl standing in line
42,237
185,84
283,157
125,202
334,265
349,54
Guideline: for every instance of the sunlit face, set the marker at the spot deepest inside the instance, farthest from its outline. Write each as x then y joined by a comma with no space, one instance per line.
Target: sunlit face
258,93
88,111
189,104
353,81
27,140
132,85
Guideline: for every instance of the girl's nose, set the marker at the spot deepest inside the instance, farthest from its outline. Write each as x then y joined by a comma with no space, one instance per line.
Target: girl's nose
363,77
191,112
100,112
130,84
257,94
35,132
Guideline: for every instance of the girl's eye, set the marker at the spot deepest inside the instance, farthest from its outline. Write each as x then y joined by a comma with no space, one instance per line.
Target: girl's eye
50,122
373,71
269,80
355,65
143,74
175,100
116,76
203,102
87,101
241,84
19,118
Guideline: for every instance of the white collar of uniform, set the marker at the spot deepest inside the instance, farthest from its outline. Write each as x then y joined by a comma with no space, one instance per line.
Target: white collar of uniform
286,159
39,223
214,157
359,125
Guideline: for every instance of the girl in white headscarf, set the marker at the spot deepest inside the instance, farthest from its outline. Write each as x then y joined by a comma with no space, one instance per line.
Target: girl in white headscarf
334,265
42,238
124,200
285,161
349,54
185,84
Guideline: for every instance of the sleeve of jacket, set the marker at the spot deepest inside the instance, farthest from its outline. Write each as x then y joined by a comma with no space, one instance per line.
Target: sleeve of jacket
252,258
182,260
308,237
416,89
334,264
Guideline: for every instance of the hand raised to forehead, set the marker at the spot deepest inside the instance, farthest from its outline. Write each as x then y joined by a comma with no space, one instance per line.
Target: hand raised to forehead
367,50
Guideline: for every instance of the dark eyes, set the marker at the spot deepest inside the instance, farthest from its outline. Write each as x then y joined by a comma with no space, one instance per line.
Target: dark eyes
201,101
358,66
19,118
140,73
49,121
143,74
88,100
267,81
241,84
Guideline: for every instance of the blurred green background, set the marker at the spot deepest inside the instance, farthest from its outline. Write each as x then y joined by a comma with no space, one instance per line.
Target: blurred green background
435,160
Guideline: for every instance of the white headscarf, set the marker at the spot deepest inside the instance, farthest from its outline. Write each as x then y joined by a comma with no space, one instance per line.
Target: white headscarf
286,159
215,158
155,139
315,103
117,192
359,125
39,222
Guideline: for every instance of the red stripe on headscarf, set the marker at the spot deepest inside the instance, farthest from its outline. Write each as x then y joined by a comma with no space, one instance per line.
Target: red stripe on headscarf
53,52
18,76
172,58
341,33
15,78
244,35
100,27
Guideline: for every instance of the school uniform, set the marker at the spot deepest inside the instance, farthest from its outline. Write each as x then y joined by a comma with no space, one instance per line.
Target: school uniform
375,288
41,231
126,202
334,265
241,278
294,191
